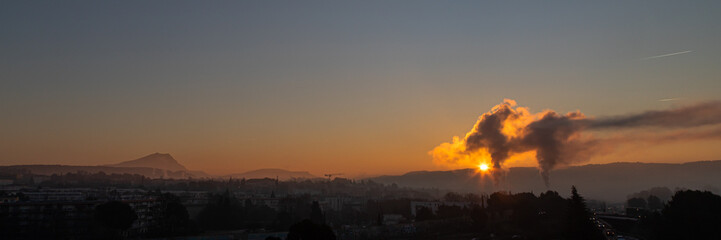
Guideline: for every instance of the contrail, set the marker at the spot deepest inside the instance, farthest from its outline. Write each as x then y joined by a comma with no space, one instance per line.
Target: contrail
665,55
668,99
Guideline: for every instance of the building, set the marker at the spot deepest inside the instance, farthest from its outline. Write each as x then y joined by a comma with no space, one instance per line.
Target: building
393,219
433,206
66,219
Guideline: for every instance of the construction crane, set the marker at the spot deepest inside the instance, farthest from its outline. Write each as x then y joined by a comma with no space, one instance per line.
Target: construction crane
329,175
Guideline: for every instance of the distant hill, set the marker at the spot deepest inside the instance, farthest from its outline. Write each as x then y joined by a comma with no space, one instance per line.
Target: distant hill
64,169
156,160
608,182
155,165
281,174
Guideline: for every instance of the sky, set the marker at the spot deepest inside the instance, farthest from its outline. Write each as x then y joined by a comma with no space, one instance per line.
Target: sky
362,88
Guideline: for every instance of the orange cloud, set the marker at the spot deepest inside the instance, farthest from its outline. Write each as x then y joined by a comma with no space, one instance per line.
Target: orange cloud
509,133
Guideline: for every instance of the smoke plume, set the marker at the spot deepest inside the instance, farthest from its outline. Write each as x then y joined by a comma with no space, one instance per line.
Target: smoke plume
563,139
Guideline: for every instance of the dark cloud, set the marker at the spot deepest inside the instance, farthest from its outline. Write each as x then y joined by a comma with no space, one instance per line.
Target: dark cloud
556,140
691,116
566,139
488,134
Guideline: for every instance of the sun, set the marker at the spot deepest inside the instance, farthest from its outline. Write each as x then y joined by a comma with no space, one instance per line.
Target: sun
483,167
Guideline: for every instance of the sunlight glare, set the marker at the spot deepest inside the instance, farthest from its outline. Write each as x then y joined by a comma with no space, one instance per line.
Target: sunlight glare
483,167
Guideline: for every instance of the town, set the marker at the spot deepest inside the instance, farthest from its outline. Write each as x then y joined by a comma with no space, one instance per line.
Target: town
73,206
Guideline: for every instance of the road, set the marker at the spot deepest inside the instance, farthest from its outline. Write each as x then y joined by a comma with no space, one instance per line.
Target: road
608,231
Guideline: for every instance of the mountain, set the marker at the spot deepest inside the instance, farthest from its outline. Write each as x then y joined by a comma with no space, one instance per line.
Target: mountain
156,165
281,174
48,170
607,182
156,160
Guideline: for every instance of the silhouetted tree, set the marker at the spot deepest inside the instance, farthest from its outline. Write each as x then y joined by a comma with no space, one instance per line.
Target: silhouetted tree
307,230
388,206
636,203
479,216
316,214
552,211
283,221
552,204
223,212
500,201
654,202
424,213
525,211
115,217
691,215
453,197
445,212
580,225
297,208
172,217
663,193
258,216
471,197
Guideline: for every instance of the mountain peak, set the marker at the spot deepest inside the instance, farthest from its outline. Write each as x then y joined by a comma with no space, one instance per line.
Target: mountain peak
155,160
